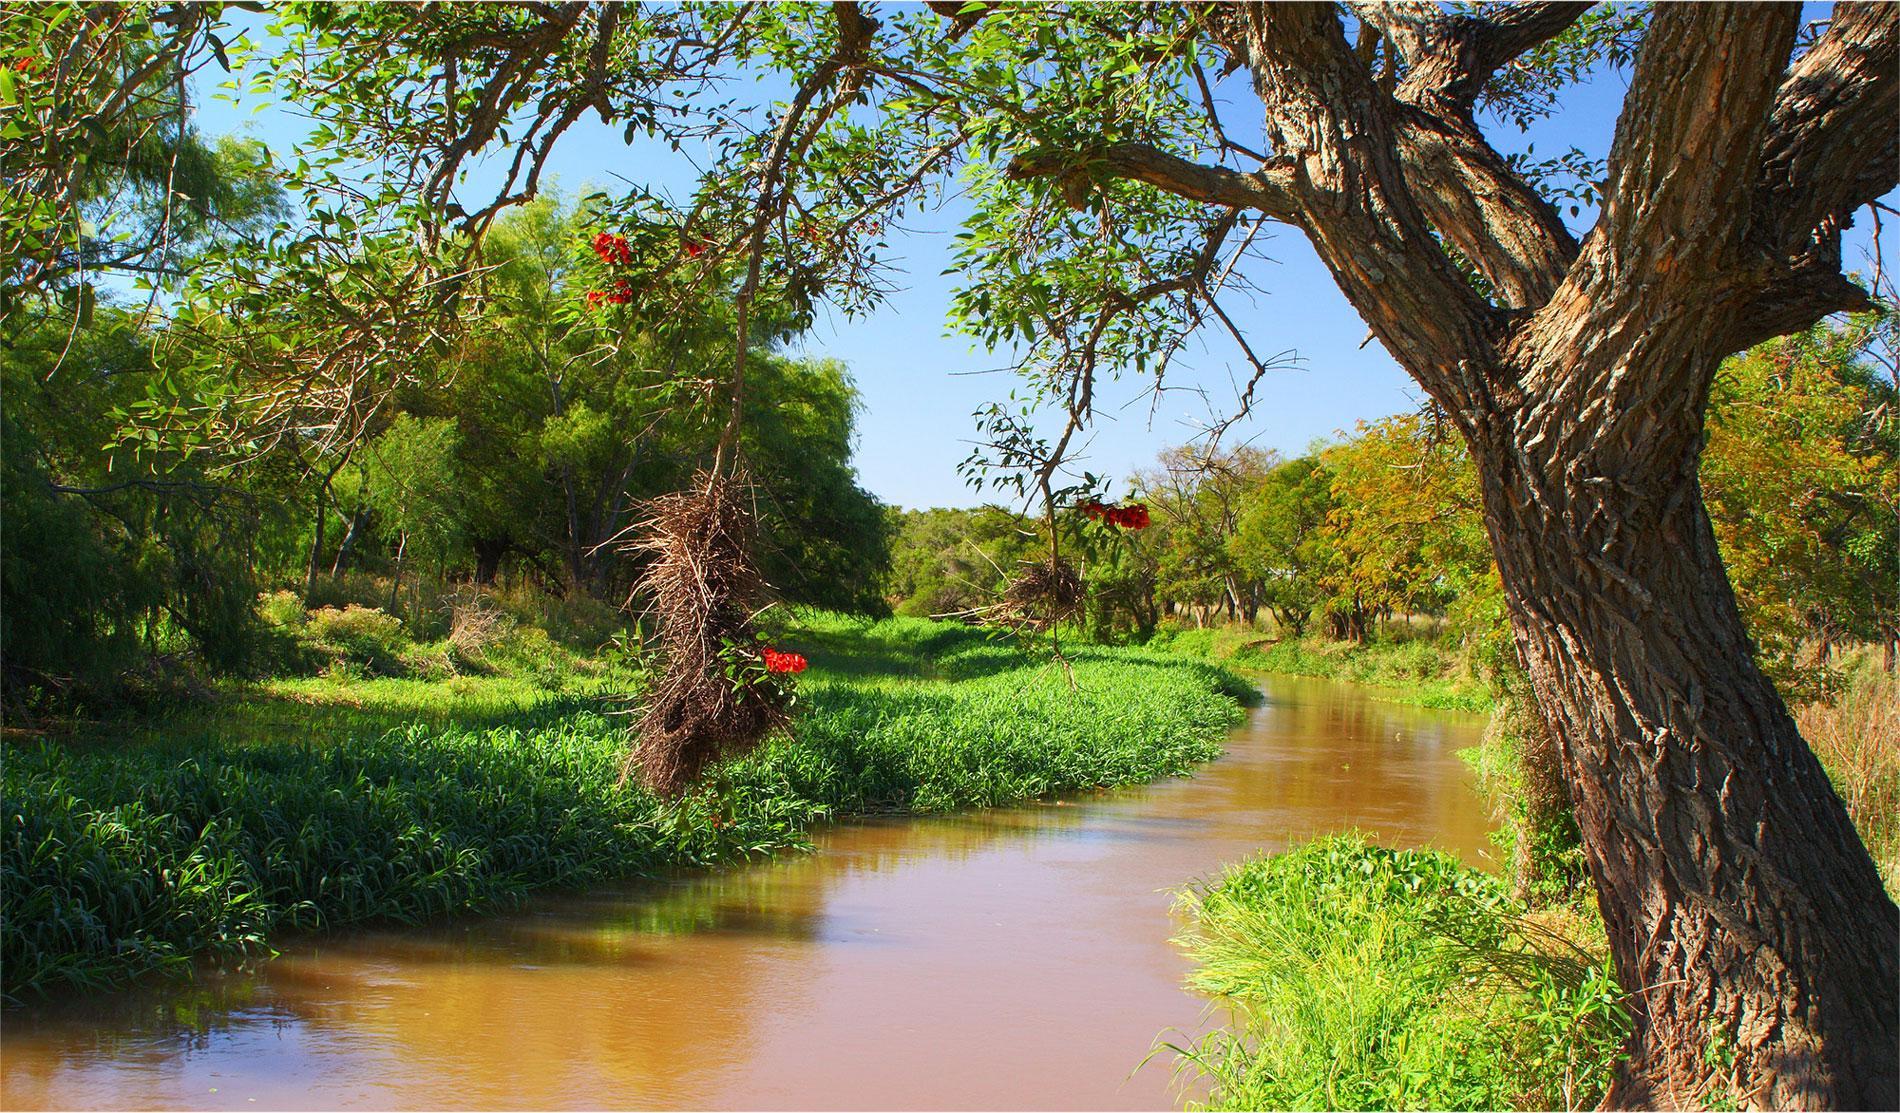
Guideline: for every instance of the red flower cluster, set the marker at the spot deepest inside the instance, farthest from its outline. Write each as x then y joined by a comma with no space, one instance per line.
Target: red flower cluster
693,248
1132,516
612,248
783,662
621,294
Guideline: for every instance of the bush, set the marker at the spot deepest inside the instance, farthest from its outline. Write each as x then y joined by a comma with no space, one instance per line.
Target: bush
476,624
1365,978
349,588
281,610
577,621
1422,670
354,638
1520,773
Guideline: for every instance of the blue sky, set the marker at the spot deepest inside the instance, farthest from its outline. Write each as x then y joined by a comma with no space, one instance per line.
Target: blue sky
920,384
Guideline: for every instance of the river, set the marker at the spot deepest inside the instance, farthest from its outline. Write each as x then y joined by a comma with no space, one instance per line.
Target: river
1010,959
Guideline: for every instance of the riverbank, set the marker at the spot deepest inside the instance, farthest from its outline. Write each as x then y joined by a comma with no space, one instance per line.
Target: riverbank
289,808
1414,670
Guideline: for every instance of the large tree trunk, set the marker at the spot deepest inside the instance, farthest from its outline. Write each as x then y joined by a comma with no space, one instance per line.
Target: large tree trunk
1743,910
488,554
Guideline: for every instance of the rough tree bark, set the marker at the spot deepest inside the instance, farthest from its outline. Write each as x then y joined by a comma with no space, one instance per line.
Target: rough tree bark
1743,909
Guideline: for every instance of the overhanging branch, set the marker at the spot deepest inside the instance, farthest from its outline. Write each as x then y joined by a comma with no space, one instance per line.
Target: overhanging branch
1263,191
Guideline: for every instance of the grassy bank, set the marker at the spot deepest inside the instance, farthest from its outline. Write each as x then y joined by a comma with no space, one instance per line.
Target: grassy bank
1417,670
297,806
1365,978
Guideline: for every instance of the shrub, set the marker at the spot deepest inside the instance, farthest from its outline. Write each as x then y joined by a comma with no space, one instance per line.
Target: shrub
357,637
476,624
1420,669
1520,774
349,588
281,610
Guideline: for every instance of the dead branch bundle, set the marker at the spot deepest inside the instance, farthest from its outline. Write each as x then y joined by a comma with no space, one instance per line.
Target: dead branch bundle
1042,594
702,586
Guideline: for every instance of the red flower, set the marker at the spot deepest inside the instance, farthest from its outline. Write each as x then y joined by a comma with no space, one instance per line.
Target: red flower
612,248
1133,516
623,292
24,64
693,248
776,661
594,298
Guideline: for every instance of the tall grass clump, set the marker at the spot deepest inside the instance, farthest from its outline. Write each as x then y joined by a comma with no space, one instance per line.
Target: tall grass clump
1359,977
1856,734
1520,774
122,858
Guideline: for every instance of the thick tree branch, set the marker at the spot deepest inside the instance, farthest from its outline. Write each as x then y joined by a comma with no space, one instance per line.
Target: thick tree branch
1467,190
1682,173
1483,208
1336,134
960,20
1265,190
1508,33
1833,140
1833,145
1450,57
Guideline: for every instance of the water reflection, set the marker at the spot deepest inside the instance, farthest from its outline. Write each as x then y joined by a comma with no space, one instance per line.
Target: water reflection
1007,959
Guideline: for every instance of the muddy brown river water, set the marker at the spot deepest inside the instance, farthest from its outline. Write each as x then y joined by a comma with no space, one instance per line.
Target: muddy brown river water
1009,959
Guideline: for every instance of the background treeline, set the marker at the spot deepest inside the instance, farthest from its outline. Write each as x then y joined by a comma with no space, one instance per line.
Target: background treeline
139,533
1381,536
143,521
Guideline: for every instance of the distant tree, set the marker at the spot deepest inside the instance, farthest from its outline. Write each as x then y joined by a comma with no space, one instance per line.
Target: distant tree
1406,529
1281,542
952,562
1802,474
115,556
415,488
1196,497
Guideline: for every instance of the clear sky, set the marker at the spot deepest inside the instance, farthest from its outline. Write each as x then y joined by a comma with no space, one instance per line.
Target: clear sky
920,384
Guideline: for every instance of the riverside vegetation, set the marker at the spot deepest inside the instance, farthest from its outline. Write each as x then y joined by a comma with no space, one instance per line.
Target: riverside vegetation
239,823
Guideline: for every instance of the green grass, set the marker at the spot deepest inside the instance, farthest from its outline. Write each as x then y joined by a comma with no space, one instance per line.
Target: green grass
1365,978
1420,671
313,804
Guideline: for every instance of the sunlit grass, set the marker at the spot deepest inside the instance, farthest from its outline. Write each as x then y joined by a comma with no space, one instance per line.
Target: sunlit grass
1365,978
1856,734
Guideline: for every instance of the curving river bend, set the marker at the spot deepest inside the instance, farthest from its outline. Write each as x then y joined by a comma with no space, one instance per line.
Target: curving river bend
1013,959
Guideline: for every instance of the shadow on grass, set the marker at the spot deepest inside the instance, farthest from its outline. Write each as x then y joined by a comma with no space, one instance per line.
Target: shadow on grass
325,715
